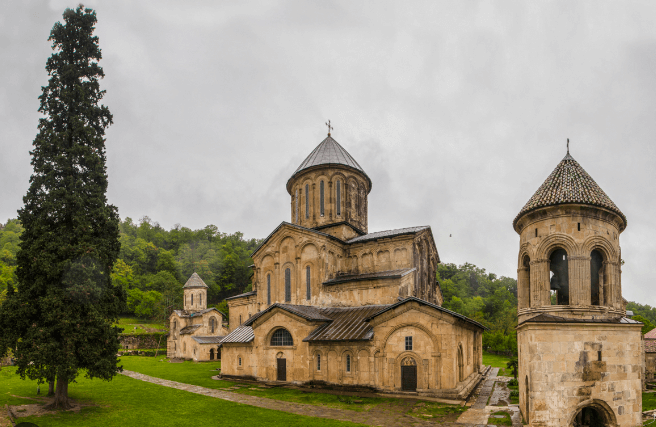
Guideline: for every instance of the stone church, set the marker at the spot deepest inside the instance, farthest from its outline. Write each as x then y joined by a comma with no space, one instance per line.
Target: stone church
195,331
580,357
333,303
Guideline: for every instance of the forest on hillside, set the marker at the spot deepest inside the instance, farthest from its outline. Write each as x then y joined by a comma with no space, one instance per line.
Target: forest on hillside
154,263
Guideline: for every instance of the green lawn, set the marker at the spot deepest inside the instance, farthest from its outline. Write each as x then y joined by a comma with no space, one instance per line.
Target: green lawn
648,401
132,325
201,374
497,361
505,421
437,412
128,402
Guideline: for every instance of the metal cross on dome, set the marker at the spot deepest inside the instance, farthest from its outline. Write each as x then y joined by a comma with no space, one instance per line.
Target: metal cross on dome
329,127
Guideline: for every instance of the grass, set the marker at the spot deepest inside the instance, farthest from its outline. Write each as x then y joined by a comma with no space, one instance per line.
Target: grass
505,421
128,402
497,361
439,412
514,397
648,401
201,374
134,326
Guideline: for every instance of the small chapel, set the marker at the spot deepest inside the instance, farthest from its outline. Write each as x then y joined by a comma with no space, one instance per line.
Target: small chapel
332,303
196,331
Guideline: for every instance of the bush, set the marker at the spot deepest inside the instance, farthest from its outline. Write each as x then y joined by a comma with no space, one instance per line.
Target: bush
514,393
513,383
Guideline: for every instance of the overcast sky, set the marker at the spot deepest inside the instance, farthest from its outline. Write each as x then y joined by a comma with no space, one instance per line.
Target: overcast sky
458,111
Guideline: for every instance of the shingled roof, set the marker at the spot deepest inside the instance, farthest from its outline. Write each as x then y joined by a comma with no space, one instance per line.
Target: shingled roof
195,282
328,153
569,183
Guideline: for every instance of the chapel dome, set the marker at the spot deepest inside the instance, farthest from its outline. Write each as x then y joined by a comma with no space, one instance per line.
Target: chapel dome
569,183
328,153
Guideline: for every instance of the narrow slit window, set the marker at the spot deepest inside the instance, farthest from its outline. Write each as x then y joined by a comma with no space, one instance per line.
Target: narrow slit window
536,232
321,207
288,285
240,361
348,363
307,201
408,343
296,206
192,299
318,362
339,198
307,282
268,289
200,299
240,319
579,226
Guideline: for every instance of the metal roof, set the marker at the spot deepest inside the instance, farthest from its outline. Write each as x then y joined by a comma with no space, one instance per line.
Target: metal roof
312,230
389,274
307,312
329,153
242,334
189,329
208,340
348,324
569,183
247,294
548,318
437,307
195,282
387,233
184,313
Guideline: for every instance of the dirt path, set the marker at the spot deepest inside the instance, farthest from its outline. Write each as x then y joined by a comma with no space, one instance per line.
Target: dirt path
383,416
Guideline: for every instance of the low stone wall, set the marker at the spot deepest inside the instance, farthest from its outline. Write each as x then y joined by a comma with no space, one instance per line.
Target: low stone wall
152,340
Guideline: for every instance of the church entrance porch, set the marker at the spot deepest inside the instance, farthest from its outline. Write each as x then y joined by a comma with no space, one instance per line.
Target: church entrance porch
596,414
408,374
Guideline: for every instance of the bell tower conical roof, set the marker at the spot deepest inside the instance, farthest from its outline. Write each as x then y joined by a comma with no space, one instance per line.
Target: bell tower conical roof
195,282
328,153
569,183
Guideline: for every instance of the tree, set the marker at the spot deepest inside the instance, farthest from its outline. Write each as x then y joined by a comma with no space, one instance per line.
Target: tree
61,318
647,325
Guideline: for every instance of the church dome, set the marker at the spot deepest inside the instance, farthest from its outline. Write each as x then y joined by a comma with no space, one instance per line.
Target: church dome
569,183
328,153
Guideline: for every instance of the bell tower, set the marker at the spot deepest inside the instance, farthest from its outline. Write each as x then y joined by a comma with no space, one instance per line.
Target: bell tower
579,356
195,294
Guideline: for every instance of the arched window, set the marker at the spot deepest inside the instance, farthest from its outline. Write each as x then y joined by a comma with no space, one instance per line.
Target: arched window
211,354
184,347
318,362
307,201
288,285
200,299
321,207
339,197
192,299
175,325
296,207
526,279
239,361
307,281
560,276
596,278
240,319
348,363
268,289
281,337
212,325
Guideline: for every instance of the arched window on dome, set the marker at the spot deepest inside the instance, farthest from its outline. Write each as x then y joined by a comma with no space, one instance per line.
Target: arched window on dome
200,299
268,289
192,299
296,207
338,191
288,285
307,201
525,280
559,283
596,278
321,192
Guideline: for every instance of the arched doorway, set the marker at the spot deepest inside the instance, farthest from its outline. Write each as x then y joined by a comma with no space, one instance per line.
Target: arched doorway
595,413
211,354
408,374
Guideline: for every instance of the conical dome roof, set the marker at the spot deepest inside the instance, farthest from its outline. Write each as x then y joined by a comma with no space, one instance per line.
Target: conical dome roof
569,183
195,282
329,153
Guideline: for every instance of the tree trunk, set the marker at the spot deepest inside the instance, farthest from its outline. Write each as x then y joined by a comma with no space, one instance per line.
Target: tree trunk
51,388
61,400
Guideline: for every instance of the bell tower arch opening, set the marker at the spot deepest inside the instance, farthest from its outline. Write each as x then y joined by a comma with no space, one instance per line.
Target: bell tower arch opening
596,277
559,280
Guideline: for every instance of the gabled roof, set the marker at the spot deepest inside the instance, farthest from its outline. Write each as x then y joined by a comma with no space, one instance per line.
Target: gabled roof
437,307
387,233
348,324
189,329
307,312
569,183
311,230
651,335
247,294
208,340
329,153
389,274
195,282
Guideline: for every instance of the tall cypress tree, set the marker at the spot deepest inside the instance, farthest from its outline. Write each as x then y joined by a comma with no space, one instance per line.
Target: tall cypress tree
59,319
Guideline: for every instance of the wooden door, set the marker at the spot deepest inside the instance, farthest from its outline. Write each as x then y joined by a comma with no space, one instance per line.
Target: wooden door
282,369
409,378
